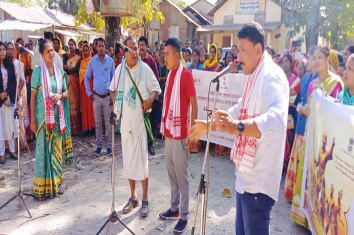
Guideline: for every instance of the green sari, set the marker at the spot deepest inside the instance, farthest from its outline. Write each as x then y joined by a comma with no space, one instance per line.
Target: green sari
50,145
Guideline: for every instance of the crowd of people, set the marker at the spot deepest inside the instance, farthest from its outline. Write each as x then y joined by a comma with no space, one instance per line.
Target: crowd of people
323,68
67,90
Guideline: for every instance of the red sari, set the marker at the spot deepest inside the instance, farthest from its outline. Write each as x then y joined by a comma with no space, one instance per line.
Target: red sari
74,95
87,115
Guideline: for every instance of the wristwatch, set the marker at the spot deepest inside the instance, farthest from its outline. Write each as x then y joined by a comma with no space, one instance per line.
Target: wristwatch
240,128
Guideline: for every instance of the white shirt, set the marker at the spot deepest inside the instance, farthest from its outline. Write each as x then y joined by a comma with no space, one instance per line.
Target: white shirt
272,123
132,122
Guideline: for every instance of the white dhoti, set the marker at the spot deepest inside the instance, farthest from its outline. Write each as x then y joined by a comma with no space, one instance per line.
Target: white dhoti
132,127
135,157
134,139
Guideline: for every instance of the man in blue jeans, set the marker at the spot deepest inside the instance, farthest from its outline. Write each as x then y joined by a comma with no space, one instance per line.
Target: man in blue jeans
259,121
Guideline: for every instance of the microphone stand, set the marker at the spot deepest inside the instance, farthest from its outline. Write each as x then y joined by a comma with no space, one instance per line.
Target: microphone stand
203,184
113,217
20,193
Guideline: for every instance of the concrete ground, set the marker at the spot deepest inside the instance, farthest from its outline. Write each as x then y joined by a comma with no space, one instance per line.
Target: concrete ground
86,203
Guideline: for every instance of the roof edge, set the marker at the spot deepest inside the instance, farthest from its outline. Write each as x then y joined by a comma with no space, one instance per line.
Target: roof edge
189,6
181,11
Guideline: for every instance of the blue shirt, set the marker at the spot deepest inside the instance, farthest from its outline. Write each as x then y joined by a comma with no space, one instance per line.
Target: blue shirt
103,72
198,67
301,119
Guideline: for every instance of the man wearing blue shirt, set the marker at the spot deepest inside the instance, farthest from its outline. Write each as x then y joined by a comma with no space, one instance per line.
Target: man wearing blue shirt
101,67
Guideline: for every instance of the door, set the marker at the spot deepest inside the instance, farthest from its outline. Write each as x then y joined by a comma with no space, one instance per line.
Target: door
226,41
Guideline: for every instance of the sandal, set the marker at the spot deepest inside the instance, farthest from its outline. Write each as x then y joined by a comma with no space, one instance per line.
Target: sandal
61,190
3,160
39,198
13,156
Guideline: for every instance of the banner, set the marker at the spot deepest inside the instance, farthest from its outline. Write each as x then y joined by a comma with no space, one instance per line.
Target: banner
328,191
116,7
231,89
250,6
89,6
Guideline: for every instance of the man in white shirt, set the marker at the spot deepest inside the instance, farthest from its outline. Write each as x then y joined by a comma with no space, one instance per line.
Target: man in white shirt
36,58
128,106
259,123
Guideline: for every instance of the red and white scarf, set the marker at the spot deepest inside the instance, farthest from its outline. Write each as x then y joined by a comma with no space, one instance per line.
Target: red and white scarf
48,103
244,149
173,119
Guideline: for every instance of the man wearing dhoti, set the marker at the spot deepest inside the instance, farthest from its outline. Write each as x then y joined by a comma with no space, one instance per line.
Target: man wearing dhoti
133,89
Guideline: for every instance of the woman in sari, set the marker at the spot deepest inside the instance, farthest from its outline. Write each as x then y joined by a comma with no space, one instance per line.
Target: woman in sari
332,85
346,96
196,62
87,116
295,155
58,47
50,122
347,52
118,58
286,64
212,64
333,61
71,64
203,52
22,94
188,56
7,100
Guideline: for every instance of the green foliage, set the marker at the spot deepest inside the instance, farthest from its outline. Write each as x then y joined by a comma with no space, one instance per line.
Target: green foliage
94,19
335,19
142,9
24,3
180,3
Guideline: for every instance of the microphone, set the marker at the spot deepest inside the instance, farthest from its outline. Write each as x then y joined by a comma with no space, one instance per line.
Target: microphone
25,49
125,48
230,67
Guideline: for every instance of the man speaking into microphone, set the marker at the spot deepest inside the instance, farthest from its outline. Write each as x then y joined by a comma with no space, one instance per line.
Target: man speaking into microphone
259,123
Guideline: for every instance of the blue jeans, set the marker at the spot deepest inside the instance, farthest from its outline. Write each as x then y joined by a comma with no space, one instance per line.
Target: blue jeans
253,213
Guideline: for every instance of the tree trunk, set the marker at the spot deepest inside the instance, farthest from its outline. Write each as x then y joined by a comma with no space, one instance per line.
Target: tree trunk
96,5
112,25
312,32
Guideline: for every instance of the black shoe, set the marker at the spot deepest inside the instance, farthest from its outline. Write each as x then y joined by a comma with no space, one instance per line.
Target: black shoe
3,161
144,209
180,226
151,149
13,156
169,215
130,205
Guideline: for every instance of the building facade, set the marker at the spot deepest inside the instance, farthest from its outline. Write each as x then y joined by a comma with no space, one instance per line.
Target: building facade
231,15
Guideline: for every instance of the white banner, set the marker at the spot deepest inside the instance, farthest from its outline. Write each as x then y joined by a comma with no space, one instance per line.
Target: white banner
250,6
327,196
231,89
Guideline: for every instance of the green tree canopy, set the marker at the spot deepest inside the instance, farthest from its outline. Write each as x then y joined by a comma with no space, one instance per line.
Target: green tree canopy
331,19
143,10
180,3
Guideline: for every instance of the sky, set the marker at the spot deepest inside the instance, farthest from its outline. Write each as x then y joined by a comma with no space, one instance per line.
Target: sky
189,2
